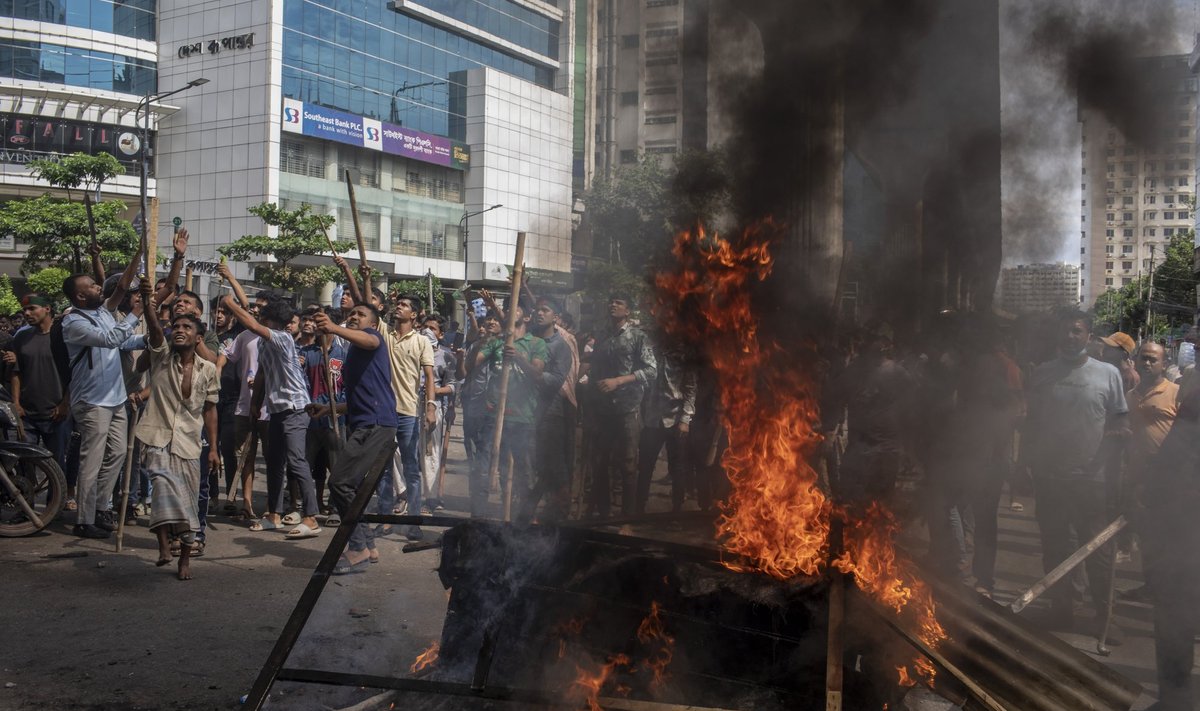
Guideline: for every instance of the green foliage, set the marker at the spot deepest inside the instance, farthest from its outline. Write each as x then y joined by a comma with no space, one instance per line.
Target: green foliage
634,215
48,282
1124,309
604,280
78,170
301,232
419,287
56,232
9,304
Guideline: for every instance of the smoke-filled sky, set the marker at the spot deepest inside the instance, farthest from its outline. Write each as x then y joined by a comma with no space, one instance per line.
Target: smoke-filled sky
1042,44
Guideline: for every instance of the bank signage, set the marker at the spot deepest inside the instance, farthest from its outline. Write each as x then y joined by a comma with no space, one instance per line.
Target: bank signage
331,125
29,138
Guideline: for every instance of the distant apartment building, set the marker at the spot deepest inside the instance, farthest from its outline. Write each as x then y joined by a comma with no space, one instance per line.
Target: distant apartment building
1030,288
1136,195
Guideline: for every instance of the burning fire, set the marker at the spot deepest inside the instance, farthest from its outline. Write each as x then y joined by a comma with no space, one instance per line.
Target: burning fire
592,683
776,520
426,658
651,632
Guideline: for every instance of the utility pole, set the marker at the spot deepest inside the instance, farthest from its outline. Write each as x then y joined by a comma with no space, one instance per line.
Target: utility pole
1150,295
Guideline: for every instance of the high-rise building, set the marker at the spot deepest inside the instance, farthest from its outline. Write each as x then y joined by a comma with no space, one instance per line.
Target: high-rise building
1031,288
1136,195
439,109
71,77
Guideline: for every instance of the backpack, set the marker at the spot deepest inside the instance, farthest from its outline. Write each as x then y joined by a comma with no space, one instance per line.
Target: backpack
63,362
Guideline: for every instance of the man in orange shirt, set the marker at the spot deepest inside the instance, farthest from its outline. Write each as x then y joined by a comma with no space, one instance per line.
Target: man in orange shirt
1152,408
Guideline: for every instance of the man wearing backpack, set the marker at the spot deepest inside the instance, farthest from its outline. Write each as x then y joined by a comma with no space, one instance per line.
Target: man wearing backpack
93,338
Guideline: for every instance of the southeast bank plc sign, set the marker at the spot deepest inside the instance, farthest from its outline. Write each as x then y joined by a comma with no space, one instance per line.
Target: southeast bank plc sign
331,125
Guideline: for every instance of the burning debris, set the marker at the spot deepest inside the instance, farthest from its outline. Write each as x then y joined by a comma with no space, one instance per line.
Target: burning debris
777,519
426,658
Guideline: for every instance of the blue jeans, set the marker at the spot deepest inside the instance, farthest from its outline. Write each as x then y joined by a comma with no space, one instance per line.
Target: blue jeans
204,486
407,439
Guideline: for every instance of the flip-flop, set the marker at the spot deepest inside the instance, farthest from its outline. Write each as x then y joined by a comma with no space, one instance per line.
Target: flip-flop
197,549
71,505
265,524
333,520
302,531
292,519
345,567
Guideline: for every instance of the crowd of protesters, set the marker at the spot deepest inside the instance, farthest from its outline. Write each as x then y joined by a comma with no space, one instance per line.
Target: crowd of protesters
1094,426
330,394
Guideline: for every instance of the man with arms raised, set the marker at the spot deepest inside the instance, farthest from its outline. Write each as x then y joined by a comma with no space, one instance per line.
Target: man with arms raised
182,401
93,339
370,408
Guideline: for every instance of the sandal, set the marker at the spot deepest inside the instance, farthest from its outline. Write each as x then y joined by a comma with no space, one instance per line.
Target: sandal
265,524
302,531
197,549
71,505
292,519
333,520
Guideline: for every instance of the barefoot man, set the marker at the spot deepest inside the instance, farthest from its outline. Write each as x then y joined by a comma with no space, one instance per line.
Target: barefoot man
183,398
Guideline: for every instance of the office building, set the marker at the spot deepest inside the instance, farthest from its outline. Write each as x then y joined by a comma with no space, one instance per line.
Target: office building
1136,193
1033,288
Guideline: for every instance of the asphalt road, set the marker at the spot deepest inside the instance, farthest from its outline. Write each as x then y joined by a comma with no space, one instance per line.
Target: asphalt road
98,630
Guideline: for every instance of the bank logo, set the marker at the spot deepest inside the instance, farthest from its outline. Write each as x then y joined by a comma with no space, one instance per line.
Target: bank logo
293,116
372,134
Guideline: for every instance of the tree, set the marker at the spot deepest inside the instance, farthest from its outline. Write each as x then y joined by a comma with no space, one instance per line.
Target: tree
56,232
300,232
1173,305
419,287
9,304
48,282
78,170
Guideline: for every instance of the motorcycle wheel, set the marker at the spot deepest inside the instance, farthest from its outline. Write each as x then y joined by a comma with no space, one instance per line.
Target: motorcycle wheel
42,484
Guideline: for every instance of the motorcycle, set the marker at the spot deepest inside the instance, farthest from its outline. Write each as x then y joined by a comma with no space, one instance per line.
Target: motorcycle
33,489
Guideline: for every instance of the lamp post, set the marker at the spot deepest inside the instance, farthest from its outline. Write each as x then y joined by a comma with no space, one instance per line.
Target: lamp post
142,116
466,229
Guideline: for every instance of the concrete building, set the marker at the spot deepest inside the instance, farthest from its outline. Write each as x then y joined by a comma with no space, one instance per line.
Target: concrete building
71,78
438,109
1136,192
1031,288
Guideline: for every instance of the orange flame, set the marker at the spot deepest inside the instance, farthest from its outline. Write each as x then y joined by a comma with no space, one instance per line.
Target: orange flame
905,679
652,633
426,658
776,519
593,683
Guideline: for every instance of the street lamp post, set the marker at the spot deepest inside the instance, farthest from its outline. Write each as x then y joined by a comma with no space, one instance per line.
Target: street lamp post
465,228
142,117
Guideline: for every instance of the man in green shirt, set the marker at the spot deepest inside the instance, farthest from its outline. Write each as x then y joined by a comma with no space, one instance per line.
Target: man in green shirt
528,355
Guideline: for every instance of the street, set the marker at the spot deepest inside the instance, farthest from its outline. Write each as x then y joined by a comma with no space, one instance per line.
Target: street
87,628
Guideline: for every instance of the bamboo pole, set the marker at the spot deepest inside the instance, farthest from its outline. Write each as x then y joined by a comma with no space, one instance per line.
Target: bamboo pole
333,418
87,205
358,236
510,323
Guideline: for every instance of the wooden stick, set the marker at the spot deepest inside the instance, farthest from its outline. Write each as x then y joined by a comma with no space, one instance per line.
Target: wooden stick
835,634
502,396
358,236
125,476
187,279
87,205
333,418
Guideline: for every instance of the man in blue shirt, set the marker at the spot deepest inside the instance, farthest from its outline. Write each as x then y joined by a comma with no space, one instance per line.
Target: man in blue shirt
370,409
97,391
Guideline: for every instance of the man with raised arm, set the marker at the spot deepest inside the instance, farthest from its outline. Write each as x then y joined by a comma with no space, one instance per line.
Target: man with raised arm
93,339
370,407
182,401
281,384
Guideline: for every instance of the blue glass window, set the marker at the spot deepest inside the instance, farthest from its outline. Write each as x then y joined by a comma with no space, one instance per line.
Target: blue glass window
128,18
400,70
503,18
56,64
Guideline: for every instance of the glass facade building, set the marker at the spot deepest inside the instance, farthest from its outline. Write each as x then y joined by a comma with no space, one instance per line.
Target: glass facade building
73,66
365,59
128,18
